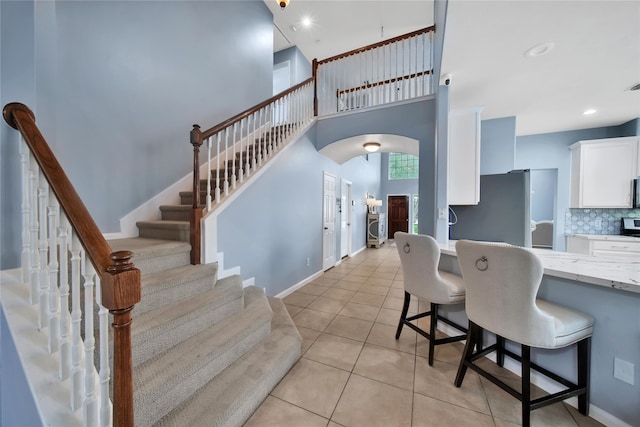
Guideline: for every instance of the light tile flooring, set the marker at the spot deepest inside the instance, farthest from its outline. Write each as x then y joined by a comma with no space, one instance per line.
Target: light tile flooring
354,373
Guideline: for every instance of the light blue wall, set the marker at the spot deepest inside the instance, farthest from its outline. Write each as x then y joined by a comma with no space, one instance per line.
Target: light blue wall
276,224
551,151
543,193
119,84
17,83
497,145
299,66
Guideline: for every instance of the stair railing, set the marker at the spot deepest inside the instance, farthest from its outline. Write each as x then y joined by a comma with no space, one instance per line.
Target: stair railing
59,235
238,147
393,70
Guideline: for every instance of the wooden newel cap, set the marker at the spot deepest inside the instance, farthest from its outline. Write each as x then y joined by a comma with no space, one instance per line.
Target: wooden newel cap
196,136
120,261
7,113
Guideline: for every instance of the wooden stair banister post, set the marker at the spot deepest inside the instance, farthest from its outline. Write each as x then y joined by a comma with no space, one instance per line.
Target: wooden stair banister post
121,290
314,75
196,209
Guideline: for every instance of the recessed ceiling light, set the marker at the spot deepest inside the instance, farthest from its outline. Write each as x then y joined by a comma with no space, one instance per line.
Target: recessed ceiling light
306,22
589,112
539,50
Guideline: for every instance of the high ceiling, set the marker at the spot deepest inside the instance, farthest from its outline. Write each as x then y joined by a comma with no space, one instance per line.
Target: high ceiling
593,64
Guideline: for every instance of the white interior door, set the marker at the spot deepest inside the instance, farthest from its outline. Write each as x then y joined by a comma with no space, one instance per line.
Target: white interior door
329,222
345,218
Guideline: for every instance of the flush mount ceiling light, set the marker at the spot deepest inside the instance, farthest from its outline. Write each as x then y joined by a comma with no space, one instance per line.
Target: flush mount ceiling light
282,3
539,50
589,112
371,147
306,22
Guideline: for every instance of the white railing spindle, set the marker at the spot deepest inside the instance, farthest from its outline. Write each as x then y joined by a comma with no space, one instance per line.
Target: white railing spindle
77,385
26,212
43,312
34,280
54,312
209,172
106,407
65,315
89,405
217,190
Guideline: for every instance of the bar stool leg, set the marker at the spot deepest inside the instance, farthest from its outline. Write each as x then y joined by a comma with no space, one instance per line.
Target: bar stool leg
473,334
584,356
500,351
403,316
526,385
432,331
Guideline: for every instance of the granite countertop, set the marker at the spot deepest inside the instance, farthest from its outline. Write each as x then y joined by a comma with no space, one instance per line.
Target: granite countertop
582,268
607,237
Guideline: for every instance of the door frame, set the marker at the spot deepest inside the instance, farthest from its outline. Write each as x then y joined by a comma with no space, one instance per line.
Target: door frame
346,206
327,261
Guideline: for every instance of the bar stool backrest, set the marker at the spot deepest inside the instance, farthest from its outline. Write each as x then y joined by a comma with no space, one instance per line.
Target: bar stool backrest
502,282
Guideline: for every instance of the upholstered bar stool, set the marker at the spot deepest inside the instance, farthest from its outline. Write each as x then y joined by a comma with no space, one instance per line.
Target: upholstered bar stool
502,283
419,256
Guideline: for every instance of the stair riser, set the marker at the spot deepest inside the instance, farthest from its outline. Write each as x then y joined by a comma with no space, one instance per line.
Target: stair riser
179,392
164,233
154,342
162,263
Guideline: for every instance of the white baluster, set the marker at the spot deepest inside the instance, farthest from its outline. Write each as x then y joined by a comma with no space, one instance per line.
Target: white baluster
255,142
415,83
241,152
245,151
35,258
65,316
106,407
217,195
259,152
209,173
77,385
226,161
233,152
54,299
89,405
26,213
43,309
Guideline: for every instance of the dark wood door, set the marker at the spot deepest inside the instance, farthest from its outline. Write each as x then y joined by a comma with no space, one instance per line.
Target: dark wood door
398,214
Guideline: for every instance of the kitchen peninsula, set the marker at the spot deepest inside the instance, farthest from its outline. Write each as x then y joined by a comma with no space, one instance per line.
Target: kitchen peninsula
609,290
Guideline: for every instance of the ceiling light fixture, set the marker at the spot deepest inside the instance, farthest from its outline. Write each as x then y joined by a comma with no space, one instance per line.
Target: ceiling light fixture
589,112
306,22
282,3
539,50
371,147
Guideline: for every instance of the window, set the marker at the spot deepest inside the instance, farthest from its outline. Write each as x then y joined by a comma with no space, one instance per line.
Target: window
403,166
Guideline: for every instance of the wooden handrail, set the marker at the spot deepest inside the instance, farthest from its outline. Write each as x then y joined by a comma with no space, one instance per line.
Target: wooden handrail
120,280
217,128
378,44
383,82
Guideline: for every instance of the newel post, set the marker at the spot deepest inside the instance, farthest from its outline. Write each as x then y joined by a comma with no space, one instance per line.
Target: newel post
314,74
196,210
121,291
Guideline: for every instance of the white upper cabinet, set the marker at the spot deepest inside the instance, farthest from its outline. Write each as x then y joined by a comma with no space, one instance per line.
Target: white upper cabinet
602,172
464,157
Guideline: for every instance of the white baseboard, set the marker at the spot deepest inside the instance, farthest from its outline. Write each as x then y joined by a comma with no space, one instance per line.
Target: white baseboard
249,282
298,285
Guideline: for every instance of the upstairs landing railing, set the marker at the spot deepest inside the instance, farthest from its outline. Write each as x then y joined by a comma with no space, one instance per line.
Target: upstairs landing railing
393,70
64,256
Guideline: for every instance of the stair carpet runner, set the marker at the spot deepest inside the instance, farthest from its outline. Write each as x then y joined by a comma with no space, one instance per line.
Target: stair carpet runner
206,352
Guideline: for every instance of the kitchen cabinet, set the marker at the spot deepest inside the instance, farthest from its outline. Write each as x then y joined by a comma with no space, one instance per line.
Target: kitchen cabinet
463,182
622,248
602,172
376,229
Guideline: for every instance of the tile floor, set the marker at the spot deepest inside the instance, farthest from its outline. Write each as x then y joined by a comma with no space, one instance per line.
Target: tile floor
354,373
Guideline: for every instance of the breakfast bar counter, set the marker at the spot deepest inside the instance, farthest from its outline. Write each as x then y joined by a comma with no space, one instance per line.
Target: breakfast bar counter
607,289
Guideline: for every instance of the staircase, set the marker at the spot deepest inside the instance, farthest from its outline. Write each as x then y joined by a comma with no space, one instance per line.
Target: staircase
205,350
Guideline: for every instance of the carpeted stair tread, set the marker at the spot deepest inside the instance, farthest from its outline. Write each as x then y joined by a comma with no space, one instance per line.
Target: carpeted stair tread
153,255
168,286
167,230
162,328
172,377
232,396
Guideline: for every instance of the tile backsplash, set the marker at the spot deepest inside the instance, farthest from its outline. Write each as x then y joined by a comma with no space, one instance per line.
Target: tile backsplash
596,221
